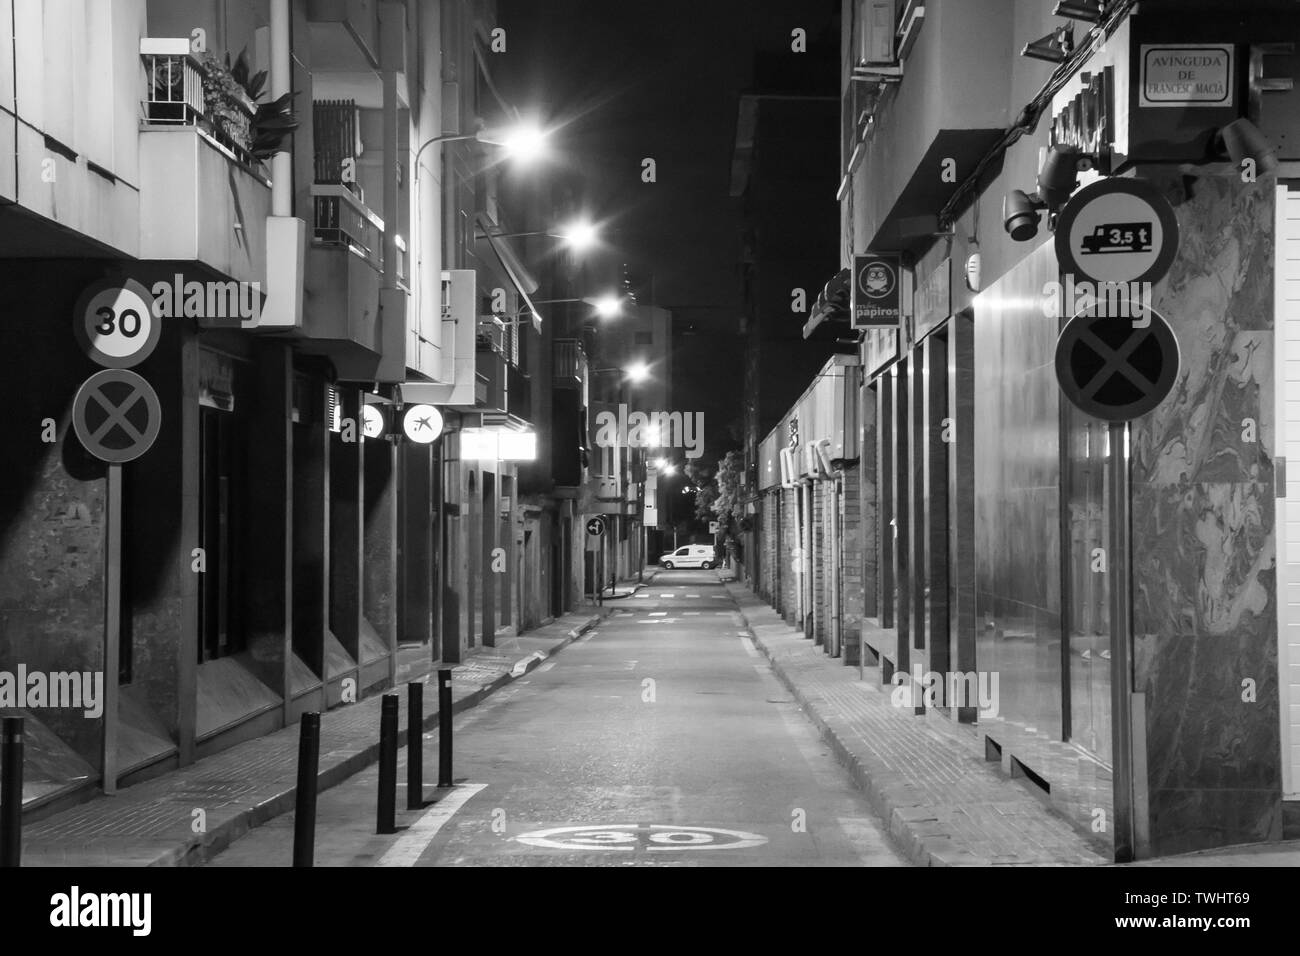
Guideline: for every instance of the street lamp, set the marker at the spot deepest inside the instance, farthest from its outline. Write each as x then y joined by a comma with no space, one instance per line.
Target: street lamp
523,143
580,235
637,372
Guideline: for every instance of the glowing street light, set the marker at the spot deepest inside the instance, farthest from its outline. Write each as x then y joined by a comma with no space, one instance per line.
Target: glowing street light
581,235
524,143
637,372
609,306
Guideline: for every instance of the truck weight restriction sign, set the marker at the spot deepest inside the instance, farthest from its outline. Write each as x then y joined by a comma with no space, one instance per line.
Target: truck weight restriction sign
114,323
1114,370
1117,230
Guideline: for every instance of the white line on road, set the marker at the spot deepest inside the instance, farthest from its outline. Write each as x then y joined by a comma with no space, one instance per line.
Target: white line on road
748,645
658,613
407,850
691,613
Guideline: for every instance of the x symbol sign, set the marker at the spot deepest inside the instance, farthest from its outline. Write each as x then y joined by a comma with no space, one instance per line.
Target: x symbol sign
116,415
1116,361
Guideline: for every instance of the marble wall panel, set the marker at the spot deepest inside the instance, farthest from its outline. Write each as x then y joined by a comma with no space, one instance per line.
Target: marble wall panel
1205,613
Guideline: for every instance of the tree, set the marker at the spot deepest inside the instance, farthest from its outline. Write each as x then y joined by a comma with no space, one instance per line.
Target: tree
728,506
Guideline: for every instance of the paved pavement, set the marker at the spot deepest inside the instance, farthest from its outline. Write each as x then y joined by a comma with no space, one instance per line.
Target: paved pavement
944,803
661,738
226,795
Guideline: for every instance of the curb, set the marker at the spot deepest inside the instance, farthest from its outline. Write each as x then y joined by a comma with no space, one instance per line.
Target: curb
220,837
914,828
897,818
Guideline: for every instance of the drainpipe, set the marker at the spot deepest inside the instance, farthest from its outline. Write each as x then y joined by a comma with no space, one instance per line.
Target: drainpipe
281,83
833,572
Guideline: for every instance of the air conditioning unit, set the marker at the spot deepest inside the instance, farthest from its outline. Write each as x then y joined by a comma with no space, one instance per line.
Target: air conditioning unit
875,32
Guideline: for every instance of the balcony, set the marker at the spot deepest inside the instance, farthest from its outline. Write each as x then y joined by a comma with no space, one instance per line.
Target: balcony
208,198
341,219
570,364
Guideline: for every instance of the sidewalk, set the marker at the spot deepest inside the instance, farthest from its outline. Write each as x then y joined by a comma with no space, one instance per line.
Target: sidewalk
153,823
629,586
941,800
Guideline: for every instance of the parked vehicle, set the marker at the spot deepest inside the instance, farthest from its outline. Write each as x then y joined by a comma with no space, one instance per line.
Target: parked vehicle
689,556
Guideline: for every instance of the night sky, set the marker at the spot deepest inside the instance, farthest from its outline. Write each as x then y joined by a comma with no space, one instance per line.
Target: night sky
624,81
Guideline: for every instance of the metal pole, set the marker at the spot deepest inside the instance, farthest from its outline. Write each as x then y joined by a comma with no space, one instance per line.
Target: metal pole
1121,658
415,746
386,814
444,728
112,622
11,792
304,814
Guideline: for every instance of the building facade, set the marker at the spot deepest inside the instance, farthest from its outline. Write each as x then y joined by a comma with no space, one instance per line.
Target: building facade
1145,665
284,545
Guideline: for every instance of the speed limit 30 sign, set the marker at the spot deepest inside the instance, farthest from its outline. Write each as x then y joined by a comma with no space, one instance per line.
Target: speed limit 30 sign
114,323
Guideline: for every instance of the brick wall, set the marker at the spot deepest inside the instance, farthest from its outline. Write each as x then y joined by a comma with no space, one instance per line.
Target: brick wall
852,581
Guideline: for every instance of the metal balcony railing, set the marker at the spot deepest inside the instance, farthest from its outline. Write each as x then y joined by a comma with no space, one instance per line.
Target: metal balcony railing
570,363
174,96
343,219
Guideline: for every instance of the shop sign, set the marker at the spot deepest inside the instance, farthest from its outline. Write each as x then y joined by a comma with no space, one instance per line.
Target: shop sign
934,298
876,295
1187,74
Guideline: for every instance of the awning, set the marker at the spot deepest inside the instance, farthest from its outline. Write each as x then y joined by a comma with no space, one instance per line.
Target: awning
520,277
832,305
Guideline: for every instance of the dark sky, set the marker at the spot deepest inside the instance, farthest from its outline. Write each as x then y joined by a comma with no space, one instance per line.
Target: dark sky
629,80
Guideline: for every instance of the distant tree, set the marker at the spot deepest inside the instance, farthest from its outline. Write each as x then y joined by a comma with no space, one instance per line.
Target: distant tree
706,489
728,504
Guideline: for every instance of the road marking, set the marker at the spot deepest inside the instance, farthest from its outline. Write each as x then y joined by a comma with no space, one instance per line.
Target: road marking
631,837
691,613
546,667
412,844
665,595
658,613
748,645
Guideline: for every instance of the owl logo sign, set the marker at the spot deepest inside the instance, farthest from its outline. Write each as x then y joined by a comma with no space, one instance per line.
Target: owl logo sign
875,291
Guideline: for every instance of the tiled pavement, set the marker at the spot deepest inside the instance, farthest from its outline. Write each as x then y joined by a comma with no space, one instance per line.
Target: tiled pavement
154,823
942,801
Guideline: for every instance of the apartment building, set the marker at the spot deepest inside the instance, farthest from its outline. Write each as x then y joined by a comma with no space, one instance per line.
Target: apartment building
290,540
1145,665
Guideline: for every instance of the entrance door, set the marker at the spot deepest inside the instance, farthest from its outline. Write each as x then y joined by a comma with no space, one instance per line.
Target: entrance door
1286,357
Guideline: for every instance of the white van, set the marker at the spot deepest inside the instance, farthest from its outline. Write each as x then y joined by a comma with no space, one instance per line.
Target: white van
689,556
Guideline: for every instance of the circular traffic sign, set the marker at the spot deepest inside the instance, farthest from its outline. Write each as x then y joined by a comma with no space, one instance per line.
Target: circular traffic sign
116,415
1114,368
114,322
1117,229
596,525
651,838
422,423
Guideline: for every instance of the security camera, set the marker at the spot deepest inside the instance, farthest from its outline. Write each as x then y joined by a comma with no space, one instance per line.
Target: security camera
1241,140
1059,174
1020,214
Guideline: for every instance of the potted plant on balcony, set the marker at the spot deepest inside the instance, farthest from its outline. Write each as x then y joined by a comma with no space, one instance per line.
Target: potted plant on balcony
227,107
230,93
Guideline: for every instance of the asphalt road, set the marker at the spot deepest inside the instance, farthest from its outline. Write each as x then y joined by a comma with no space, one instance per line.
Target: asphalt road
660,738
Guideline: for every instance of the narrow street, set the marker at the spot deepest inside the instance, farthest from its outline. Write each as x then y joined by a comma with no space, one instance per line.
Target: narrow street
659,735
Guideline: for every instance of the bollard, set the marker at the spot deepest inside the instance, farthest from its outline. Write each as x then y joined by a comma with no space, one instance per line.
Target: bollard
415,746
11,792
387,813
444,728
304,811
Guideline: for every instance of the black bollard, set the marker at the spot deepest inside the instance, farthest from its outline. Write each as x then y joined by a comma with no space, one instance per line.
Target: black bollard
444,728
11,792
387,813
304,813
415,746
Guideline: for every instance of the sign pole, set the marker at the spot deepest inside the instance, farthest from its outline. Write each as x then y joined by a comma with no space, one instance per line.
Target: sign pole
112,622
1121,641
